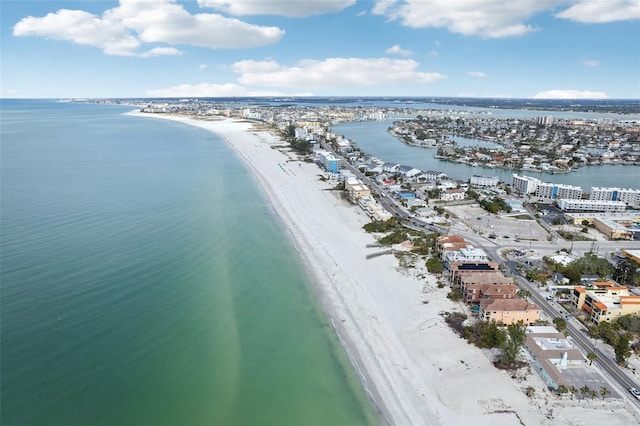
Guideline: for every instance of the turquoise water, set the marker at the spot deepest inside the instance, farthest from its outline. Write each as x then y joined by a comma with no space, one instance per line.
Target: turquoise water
145,280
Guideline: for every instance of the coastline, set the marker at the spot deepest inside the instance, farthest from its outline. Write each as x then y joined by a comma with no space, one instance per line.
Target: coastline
414,368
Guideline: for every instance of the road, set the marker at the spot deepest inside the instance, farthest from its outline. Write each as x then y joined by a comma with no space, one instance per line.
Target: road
493,248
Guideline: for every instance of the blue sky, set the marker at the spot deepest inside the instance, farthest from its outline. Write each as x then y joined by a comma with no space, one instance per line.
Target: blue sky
478,48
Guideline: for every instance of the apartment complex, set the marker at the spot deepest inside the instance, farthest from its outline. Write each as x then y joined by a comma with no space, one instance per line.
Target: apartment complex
545,190
605,301
630,197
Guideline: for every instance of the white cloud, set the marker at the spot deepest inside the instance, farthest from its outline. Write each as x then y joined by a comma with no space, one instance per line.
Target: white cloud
591,63
203,67
487,18
208,90
122,30
397,50
602,11
332,73
570,94
81,28
476,73
160,51
289,8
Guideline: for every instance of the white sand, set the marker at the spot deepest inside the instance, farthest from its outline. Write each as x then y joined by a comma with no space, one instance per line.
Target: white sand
416,369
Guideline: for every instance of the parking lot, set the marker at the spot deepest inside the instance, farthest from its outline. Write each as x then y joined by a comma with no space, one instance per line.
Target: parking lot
517,226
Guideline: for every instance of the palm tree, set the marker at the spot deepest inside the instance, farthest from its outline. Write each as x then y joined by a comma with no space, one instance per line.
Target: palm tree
585,390
604,391
592,356
562,389
573,390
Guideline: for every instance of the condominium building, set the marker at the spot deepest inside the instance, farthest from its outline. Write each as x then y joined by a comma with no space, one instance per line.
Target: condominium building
356,189
524,184
329,161
509,311
630,197
605,301
556,191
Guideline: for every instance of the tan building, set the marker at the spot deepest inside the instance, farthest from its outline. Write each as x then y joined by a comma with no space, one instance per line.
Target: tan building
476,293
486,284
356,190
605,301
509,311
458,269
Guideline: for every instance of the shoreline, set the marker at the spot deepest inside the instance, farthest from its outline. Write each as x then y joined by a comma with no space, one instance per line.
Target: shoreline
414,369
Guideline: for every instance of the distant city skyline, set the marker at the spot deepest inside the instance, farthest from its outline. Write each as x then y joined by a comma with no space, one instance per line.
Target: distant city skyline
228,48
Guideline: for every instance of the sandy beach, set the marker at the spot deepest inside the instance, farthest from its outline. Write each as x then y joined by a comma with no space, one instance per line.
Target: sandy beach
416,370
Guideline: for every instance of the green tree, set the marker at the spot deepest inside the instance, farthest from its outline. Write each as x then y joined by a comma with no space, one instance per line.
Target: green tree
560,323
623,348
627,272
515,340
455,294
604,391
563,389
434,265
592,356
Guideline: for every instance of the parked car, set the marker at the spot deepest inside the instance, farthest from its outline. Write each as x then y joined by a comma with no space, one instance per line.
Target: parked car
635,392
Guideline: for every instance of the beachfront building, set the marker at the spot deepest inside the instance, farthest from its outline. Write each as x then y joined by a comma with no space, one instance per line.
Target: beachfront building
591,206
475,293
630,197
447,243
605,301
356,189
373,209
484,181
330,162
456,270
465,255
552,354
509,311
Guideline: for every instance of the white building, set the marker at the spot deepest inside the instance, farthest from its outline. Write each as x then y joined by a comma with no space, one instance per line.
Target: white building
591,205
466,255
524,184
484,181
630,197
556,191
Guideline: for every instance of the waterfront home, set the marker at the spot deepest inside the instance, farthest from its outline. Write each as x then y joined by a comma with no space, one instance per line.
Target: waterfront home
552,354
509,311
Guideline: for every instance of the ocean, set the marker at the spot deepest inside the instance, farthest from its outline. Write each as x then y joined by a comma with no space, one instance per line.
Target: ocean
145,280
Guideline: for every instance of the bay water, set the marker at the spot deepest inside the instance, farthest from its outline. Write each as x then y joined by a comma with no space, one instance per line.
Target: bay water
374,138
145,280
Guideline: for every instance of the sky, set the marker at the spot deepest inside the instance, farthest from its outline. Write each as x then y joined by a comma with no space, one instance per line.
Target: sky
224,48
